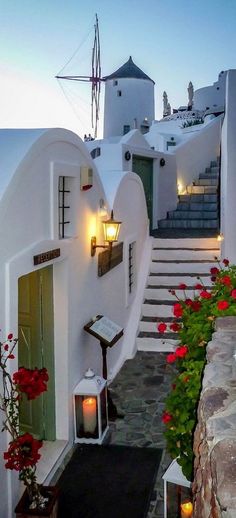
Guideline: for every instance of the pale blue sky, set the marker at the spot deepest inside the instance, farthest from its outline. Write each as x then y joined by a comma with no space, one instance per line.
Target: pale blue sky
173,41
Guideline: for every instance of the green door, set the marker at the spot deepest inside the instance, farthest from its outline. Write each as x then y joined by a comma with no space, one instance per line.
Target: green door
144,168
36,348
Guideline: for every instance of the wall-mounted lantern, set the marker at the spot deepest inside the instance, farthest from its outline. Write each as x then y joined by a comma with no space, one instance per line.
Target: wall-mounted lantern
162,162
177,493
111,229
90,409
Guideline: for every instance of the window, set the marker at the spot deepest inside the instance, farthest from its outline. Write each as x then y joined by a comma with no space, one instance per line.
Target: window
126,129
119,93
131,267
115,82
95,152
65,190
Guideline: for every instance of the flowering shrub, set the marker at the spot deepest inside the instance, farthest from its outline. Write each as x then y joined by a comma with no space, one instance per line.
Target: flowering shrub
194,331
23,450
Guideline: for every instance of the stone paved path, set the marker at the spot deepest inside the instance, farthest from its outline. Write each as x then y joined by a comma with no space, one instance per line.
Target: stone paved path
139,392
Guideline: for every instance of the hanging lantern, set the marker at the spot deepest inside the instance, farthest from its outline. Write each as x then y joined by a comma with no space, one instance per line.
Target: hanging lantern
90,409
177,493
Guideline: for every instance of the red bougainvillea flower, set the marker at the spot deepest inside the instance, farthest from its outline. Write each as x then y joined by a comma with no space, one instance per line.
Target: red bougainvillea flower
205,294
214,270
6,347
222,304
213,278
182,286
226,280
181,351
188,302
225,262
162,327
166,417
196,305
11,356
198,287
22,452
175,327
177,310
171,358
233,294
10,336
31,381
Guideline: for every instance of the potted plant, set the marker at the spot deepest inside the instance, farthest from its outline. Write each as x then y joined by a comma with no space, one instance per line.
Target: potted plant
23,454
194,323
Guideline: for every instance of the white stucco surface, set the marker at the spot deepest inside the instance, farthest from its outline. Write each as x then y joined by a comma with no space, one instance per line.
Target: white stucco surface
29,216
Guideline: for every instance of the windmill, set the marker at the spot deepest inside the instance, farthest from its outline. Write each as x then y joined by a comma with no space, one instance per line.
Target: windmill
94,78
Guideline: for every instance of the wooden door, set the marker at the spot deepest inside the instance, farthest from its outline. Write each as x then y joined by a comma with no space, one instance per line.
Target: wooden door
143,166
36,348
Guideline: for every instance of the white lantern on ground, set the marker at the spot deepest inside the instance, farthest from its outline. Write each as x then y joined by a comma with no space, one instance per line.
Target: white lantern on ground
90,409
177,493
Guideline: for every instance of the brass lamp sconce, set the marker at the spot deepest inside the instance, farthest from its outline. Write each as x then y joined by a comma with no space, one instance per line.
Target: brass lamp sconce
111,229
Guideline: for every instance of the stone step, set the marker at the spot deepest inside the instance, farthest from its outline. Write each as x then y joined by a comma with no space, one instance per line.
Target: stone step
192,214
198,206
155,334
179,267
206,181
179,253
186,223
159,294
203,198
202,189
156,344
172,282
157,310
189,243
210,176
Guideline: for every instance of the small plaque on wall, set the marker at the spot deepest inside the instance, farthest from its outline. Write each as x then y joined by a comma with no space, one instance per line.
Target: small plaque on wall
108,260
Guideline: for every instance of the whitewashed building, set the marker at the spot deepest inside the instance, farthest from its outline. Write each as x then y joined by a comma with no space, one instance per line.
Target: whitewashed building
49,282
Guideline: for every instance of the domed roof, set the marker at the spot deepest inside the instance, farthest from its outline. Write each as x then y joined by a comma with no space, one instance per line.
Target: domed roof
129,69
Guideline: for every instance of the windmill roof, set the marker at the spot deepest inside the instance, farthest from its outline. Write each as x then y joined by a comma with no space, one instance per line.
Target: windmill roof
129,69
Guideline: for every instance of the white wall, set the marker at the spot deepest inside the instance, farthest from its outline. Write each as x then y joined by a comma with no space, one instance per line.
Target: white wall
28,213
211,96
195,154
123,110
228,171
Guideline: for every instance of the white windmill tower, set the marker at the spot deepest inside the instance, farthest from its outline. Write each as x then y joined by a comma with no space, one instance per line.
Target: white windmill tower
129,100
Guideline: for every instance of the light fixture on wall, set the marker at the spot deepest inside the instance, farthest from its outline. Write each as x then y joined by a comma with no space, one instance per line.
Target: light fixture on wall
220,237
111,229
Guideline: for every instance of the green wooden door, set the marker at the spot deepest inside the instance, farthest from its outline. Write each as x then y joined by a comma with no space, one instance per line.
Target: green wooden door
144,168
36,348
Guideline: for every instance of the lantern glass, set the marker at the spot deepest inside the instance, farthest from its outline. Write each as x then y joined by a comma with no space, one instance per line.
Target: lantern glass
177,493
111,229
86,416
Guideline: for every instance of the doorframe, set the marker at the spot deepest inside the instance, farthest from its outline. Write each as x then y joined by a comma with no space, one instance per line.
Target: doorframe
19,265
148,159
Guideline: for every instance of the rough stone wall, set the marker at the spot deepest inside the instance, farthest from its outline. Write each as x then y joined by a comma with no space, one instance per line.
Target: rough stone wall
214,485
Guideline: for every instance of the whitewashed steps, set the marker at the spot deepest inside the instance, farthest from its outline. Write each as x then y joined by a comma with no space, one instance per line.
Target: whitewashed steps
166,274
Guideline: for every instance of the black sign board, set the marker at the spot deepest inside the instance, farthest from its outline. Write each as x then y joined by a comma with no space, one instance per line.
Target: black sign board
47,256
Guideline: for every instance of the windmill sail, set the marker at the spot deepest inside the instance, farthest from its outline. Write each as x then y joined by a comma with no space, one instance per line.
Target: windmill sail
94,78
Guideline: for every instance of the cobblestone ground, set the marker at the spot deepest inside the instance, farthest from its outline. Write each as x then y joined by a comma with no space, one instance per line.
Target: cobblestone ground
139,392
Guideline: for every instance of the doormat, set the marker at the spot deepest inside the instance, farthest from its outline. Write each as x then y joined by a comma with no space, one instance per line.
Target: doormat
108,482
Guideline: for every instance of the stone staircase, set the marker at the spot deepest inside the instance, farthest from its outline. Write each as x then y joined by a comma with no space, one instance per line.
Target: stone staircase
174,261
199,208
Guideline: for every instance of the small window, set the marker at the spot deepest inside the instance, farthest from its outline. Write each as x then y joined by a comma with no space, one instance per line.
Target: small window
119,93
95,152
126,129
115,82
65,208
131,267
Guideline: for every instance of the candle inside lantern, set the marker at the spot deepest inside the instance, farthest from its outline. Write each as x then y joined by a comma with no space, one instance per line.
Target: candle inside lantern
90,414
186,510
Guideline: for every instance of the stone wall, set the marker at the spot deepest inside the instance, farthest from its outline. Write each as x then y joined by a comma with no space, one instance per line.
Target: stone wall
214,485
